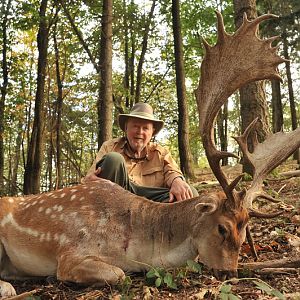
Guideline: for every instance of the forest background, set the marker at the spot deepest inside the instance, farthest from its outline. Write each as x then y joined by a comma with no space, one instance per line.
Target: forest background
60,96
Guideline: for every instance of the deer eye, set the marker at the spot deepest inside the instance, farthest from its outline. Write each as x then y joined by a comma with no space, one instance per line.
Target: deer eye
240,226
222,230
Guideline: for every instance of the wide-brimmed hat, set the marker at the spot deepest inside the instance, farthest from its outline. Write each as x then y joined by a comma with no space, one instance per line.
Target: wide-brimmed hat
141,111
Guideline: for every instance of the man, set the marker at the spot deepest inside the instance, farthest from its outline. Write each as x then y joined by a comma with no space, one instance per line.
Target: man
139,165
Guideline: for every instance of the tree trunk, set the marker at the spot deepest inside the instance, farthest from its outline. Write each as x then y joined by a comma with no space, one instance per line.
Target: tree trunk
252,96
183,115
222,131
277,112
126,55
15,164
105,102
35,149
143,52
59,104
5,9
296,155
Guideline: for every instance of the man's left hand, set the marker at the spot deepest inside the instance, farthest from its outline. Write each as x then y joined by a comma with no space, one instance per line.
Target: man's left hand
180,190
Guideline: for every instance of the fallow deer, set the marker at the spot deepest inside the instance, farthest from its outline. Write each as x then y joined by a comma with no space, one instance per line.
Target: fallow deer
92,233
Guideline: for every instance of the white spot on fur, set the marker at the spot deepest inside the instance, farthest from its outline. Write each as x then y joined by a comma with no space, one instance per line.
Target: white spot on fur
73,197
40,209
42,237
34,203
82,198
60,208
63,239
73,190
48,236
62,195
53,216
73,214
91,192
11,200
8,219
48,211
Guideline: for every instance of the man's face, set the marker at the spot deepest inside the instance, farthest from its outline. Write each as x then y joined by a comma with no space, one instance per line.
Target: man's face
139,133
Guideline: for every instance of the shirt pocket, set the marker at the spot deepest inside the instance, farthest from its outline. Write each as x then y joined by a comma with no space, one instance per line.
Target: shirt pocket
153,177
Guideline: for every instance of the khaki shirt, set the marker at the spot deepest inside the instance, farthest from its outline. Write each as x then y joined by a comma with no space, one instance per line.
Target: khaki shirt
158,169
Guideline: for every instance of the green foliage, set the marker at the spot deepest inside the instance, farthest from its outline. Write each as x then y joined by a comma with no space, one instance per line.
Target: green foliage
194,266
226,293
225,289
125,287
264,287
160,277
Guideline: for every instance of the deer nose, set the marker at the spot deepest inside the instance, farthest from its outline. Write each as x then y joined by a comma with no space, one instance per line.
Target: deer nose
223,275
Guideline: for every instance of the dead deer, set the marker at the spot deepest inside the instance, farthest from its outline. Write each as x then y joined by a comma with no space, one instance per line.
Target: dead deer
95,232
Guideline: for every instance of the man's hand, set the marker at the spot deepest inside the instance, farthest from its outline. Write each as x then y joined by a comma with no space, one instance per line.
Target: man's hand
180,190
92,177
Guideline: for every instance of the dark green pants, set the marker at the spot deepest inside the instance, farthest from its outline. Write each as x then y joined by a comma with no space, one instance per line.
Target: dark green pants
113,168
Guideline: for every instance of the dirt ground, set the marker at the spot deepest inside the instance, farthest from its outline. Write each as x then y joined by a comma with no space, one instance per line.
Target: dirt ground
275,238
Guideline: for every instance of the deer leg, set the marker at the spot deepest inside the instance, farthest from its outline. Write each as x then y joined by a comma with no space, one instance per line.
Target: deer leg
89,270
6,289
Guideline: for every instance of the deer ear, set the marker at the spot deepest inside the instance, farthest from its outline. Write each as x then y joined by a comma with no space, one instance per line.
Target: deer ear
206,208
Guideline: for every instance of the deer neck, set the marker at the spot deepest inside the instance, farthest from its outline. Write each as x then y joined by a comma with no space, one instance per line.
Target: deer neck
166,232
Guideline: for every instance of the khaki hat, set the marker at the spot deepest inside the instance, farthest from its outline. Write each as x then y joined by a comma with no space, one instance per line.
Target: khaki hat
141,111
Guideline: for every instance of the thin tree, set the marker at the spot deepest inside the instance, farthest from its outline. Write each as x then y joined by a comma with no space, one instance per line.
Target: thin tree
277,111
296,155
58,110
5,9
35,149
105,101
252,96
143,52
183,115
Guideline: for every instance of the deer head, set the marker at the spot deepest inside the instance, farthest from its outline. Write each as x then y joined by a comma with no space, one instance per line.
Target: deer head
234,61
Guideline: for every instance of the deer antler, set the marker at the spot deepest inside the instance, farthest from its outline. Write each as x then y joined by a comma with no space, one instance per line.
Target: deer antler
233,62
266,157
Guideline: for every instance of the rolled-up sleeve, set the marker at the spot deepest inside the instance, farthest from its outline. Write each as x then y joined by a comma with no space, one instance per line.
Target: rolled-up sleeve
171,169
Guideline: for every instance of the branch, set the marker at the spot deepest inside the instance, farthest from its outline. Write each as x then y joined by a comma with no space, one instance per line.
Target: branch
80,36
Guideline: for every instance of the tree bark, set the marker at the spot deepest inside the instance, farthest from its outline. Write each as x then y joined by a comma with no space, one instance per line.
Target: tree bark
143,52
252,96
5,9
35,149
277,112
59,104
296,155
105,102
222,131
183,115
126,55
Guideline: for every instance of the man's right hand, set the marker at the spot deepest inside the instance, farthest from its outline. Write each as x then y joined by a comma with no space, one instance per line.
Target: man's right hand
92,177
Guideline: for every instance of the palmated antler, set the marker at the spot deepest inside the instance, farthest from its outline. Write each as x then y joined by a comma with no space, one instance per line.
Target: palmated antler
266,157
234,61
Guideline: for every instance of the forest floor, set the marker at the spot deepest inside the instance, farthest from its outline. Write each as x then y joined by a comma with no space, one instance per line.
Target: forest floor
275,238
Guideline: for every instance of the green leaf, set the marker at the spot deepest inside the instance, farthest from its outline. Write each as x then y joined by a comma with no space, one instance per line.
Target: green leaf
194,266
278,294
151,273
226,288
264,287
223,296
158,282
169,281
233,297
